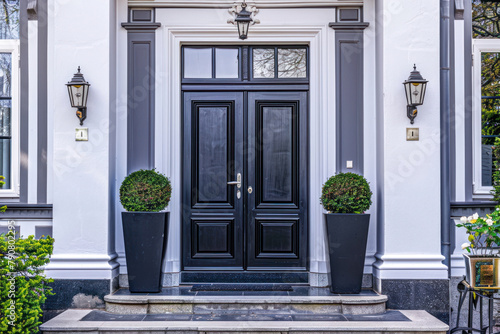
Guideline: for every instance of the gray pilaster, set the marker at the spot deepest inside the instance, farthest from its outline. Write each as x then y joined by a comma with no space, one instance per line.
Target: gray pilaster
468,100
141,95
42,101
349,94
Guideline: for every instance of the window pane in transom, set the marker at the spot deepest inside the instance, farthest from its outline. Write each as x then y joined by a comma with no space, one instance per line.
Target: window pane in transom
198,63
263,63
226,63
292,63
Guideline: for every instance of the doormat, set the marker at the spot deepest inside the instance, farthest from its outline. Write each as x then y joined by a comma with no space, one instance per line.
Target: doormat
242,287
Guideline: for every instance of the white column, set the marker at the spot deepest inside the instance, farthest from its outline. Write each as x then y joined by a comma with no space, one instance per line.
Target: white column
408,171
83,33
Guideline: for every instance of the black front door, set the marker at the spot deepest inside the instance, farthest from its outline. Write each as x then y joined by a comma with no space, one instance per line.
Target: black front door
245,181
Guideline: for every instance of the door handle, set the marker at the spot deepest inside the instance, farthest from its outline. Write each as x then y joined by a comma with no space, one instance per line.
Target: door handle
236,183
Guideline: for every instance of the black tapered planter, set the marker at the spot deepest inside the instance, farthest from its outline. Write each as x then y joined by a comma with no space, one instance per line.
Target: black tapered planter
145,235
347,234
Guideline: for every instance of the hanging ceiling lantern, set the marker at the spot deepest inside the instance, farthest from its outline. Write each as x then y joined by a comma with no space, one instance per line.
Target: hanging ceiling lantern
243,20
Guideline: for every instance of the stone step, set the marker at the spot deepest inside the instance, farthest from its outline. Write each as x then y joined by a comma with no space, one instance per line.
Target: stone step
301,300
99,322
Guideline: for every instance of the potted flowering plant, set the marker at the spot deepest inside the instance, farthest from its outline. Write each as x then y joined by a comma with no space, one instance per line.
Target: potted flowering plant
482,257
346,197
144,194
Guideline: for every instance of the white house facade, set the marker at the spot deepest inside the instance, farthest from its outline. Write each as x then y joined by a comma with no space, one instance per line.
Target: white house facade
316,83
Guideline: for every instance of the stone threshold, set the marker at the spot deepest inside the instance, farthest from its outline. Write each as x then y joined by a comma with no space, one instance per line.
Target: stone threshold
246,316
71,322
301,300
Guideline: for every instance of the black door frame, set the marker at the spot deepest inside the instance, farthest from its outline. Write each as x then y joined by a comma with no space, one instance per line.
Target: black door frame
298,86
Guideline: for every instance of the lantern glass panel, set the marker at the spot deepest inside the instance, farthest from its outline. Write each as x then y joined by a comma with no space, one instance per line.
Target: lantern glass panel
85,95
77,96
408,92
243,29
416,93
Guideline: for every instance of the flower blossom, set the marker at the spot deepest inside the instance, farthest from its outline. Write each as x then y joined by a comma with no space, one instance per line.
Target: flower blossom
475,216
489,222
465,245
463,219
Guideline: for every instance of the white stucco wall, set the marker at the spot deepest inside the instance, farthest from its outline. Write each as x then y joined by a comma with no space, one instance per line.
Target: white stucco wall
408,171
82,33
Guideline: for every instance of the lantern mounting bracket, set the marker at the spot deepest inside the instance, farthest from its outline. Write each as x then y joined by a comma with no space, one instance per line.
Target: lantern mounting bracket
411,112
81,113
236,8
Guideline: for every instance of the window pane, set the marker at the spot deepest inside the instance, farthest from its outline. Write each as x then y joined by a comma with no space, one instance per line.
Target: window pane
197,63
490,111
9,19
485,19
292,63
5,74
263,63
5,118
5,141
226,63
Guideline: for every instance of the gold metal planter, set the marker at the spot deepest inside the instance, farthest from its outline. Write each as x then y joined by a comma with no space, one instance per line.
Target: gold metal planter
482,272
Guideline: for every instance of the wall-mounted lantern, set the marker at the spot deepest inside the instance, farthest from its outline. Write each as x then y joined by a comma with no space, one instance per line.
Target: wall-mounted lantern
415,88
78,90
243,20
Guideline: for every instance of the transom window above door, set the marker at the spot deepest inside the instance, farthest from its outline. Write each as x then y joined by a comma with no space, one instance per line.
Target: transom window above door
243,63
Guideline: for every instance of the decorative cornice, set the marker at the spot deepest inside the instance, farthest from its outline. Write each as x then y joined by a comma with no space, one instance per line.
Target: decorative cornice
27,211
349,25
141,26
459,209
229,3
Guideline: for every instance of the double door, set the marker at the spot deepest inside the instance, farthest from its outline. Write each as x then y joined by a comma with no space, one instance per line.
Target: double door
245,162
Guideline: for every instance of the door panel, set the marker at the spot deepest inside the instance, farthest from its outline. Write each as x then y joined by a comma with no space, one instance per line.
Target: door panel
277,215
212,213
276,142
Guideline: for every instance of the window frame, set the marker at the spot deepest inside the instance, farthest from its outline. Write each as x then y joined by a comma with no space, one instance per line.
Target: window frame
479,46
12,47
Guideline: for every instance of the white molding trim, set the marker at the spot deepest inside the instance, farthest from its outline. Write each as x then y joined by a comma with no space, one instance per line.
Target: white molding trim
410,266
457,265
228,3
478,47
320,39
12,47
82,266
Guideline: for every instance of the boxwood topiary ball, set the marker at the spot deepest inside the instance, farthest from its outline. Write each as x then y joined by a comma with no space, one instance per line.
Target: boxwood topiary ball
346,193
145,190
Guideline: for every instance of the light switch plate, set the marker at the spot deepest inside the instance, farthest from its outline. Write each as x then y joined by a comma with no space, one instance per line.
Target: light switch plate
82,134
411,134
